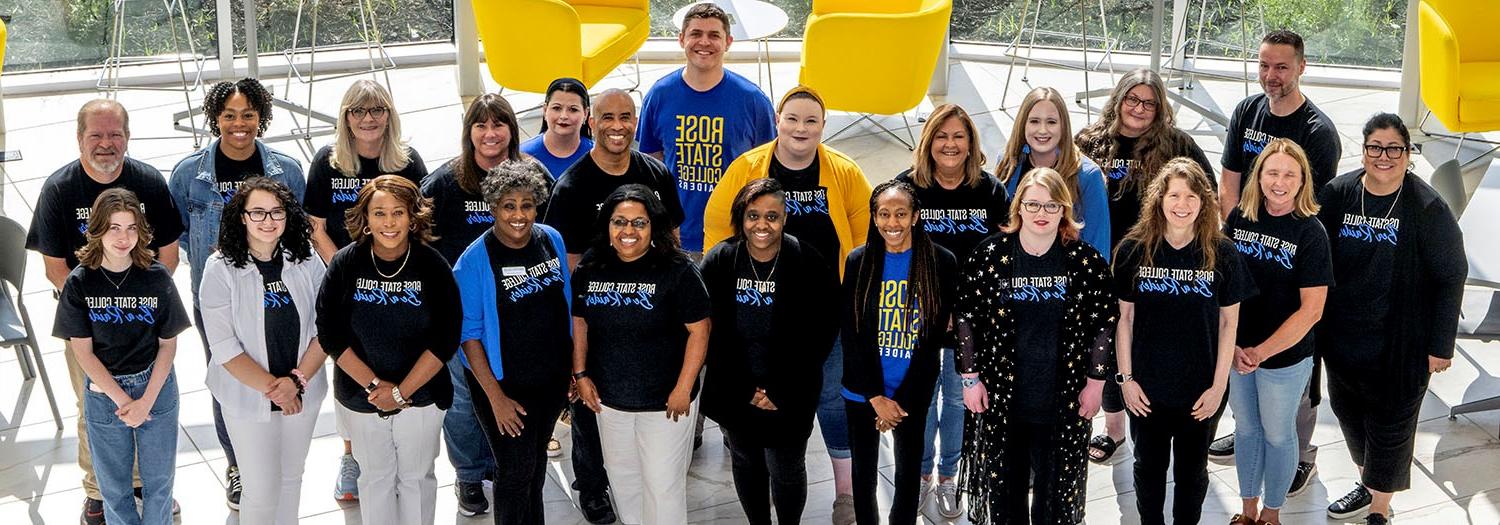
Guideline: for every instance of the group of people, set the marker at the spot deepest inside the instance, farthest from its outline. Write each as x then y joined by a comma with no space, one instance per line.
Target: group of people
633,270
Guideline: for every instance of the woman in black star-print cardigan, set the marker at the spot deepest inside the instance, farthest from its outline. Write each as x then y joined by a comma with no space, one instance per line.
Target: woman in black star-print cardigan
1036,318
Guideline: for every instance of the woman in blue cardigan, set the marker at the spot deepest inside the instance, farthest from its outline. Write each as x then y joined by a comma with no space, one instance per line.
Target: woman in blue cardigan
515,277
1043,138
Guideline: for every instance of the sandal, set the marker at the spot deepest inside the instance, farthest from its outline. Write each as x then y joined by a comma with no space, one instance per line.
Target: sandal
1106,446
1240,519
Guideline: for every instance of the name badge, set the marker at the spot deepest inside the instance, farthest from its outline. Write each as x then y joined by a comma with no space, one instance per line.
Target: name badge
513,271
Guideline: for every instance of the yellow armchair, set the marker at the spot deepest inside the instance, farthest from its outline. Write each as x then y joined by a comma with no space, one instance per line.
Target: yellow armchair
1460,64
873,57
530,43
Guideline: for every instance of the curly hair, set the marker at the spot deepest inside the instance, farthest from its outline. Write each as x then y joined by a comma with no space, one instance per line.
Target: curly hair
1161,141
234,243
110,202
514,176
753,190
418,208
664,245
256,94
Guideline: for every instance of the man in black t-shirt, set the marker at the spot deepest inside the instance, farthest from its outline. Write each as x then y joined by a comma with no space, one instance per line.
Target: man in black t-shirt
1282,111
61,220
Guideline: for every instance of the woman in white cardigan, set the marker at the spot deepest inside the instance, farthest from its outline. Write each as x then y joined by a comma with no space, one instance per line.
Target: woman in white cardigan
258,301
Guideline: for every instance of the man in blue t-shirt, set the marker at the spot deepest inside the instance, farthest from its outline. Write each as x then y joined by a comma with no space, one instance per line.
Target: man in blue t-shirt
700,118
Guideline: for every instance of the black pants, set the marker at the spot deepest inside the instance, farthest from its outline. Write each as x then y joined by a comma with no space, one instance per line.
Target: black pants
765,474
1171,436
1381,431
864,445
521,461
1113,400
1029,451
219,428
589,477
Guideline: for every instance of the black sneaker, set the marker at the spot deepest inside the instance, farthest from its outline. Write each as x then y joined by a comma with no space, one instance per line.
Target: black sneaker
1376,519
1355,503
1222,449
93,512
471,498
232,487
596,508
1302,479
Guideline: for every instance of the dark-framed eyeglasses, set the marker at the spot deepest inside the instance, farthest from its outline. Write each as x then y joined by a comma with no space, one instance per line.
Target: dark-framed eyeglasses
360,112
1131,101
637,223
1053,207
1392,152
275,214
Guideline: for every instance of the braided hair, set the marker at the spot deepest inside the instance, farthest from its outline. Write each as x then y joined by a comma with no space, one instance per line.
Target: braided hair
923,290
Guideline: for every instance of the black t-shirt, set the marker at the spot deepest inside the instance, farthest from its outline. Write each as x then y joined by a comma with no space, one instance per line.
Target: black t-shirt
282,324
1125,202
959,218
755,302
581,191
125,321
1253,126
330,193
535,346
635,313
389,321
807,216
458,216
230,173
1366,257
1175,335
62,209
1038,293
1284,255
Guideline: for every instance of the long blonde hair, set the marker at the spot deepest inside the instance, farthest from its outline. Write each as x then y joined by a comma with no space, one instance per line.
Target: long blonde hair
924,168
1052,181
1304,204
393,153
1151,229
1069,158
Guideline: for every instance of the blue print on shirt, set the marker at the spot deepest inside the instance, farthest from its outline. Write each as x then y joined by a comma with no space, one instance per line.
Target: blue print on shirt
1037,289
276,295
1375,230
754,293
808,202
614,294
956,221
477,212
1117,169
1263,247
1175,281
387,293
122,310
531,280
1255,141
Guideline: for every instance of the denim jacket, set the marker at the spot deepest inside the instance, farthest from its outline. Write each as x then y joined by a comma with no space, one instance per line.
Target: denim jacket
201,208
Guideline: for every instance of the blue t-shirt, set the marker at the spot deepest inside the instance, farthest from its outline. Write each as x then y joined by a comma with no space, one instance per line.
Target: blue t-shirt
555,164
699,134
896,324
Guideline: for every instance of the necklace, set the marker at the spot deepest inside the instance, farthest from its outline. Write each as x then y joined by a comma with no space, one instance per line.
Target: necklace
756,272
122,278
393,275
1364,190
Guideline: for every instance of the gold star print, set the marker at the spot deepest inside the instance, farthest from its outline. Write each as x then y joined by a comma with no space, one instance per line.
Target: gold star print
1004,259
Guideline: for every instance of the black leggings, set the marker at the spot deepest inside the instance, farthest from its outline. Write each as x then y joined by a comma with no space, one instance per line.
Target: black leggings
521,460
765,474
1171,436
864,444
1029,449
1381,431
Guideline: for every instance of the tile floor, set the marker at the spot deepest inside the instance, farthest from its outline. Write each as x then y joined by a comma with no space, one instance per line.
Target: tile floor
1454,475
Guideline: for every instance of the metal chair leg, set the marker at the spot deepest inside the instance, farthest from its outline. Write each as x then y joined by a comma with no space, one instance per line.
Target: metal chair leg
36,353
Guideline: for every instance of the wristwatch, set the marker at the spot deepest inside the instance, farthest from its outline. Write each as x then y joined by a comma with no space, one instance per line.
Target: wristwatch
370,388
969,382
1123,378
396,395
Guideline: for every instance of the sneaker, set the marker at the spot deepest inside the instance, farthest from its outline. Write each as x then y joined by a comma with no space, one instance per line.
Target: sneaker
1376,519
554,448
471,501
596,508
346,487
93,512
843,509
232,487
1353,504
1302,479
1222,449
947,499
176,508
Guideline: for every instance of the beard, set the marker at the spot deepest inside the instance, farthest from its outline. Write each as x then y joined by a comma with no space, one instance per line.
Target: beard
105,166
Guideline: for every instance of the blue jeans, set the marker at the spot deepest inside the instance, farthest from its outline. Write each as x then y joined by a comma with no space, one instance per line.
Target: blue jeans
467,448
832,421
947,423
1265,429
117,448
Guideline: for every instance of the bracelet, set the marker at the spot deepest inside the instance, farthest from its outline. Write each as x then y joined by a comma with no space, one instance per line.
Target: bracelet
396,395
580,374
300,380
370,388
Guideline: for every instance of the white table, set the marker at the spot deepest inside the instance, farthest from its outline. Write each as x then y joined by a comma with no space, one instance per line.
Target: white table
749,20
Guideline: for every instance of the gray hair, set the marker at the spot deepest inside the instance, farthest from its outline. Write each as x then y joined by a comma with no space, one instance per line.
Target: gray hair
512,176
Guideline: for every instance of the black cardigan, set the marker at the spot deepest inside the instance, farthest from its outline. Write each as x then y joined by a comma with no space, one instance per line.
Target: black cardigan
1427,281
862,371
804,323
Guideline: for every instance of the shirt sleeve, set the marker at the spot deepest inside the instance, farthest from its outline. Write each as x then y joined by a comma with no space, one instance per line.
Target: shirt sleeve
668,190
1323,152
1196,153
646,136
47,222
416,168
72,318
172,317
447,315
692,296
215,297
161,212
333,307
1447,268
579,285
1314,259
317,200
1233,158
1095,203
564,215
1125,270
764,120
1237,284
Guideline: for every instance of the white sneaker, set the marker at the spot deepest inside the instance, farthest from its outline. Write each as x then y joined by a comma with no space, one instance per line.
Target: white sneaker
947,499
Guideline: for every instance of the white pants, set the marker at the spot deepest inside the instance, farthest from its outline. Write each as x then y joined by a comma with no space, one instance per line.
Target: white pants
396,480
647,457
271,458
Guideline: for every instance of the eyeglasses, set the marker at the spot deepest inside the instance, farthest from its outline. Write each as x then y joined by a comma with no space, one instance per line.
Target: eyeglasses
359,112
1131,101
620,222
1392,152
1049,206
276,214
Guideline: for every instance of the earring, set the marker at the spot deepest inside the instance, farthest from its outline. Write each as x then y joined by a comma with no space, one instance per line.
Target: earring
367,230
